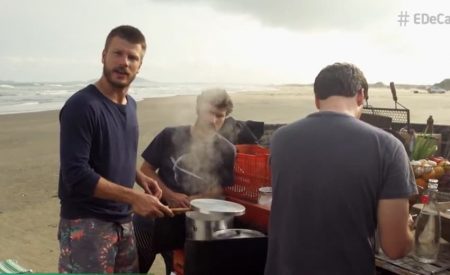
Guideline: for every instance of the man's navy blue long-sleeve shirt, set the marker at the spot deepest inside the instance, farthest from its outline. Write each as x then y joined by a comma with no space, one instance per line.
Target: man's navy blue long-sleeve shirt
98,138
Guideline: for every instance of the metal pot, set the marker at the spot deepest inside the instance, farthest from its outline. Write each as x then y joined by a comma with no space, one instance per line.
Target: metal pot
211,215
201,226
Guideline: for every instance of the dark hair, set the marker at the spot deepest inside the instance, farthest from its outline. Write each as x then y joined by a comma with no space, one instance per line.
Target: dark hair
341,79
128,33
219,98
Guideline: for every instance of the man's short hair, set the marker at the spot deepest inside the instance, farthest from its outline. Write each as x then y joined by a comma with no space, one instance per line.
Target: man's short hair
128,33
339,79
218,98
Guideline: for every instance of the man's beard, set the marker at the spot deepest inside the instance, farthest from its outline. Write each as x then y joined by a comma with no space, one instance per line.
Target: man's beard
108,75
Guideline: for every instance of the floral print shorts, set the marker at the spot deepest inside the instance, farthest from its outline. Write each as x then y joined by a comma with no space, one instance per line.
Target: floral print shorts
96,246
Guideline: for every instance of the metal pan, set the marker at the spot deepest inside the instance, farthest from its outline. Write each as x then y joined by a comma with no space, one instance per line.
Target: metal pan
237,233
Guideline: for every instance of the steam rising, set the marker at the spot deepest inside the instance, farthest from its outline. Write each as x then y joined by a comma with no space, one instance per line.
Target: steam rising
198,169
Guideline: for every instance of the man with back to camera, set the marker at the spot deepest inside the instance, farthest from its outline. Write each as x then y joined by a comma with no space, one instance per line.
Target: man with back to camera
198,149
98,147
335,179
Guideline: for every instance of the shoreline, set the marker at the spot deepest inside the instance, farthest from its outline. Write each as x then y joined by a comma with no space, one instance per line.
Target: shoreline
421,104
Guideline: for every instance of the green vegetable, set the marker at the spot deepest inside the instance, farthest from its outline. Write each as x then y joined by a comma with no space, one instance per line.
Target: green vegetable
424,147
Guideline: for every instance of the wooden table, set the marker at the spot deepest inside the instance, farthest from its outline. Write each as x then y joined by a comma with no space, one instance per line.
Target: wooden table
409,266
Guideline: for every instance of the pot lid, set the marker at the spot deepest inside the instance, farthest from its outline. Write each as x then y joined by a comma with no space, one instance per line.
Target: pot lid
215,206
237,233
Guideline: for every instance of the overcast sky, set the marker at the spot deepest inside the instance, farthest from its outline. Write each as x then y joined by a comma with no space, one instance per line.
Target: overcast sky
240,41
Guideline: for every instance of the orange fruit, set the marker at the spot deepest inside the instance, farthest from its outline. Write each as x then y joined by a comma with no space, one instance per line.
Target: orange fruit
421,182
445,164
430,175
439,172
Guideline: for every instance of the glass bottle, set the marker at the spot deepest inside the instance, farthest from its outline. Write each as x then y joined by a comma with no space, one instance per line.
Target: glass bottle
428,226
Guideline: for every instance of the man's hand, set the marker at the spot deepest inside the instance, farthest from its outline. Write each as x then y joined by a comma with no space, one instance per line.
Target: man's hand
149,185
142,204
149,206
175,199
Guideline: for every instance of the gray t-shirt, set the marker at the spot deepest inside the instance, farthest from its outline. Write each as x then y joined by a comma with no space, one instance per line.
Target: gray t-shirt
329,171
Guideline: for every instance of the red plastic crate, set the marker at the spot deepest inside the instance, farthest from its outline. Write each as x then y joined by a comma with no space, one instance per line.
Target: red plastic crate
251,171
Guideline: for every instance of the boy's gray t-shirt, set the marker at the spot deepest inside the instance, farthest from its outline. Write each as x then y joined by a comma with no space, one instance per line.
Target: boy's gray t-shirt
328,172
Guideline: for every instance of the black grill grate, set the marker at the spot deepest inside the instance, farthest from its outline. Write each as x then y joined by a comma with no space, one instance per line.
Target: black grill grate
400,116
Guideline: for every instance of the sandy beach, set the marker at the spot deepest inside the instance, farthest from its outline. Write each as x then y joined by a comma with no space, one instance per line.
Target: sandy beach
29,159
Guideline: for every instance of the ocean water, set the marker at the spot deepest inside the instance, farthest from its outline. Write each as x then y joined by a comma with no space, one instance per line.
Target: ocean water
24,97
